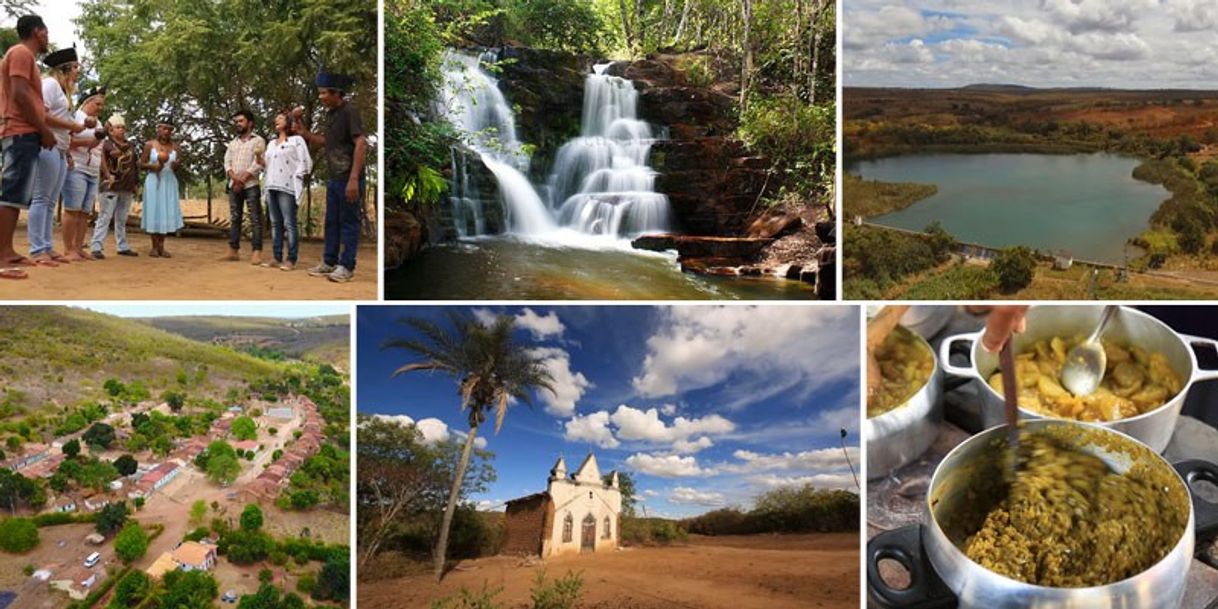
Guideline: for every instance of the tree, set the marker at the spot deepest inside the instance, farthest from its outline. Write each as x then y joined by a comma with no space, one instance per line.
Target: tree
111,518
198,511
221,466
189,590
15,488
1014,267
126,465
131,542
251,518
18,535
625,483
334,579
114,387
132,589
490,368
244,428
71,448
174,399
100,434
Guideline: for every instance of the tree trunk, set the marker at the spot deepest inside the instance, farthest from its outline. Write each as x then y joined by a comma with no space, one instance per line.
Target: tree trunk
681,25
453,494
818,8
797,69
746,72
626,26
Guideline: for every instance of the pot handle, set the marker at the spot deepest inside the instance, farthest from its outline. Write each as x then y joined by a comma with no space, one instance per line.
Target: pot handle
1195,341
926,590
945,355
1205,512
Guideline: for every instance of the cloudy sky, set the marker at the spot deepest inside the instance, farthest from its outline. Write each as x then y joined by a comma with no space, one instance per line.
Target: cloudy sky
705,406
1133,44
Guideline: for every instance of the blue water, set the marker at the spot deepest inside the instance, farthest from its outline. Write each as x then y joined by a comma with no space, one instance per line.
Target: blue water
1085,204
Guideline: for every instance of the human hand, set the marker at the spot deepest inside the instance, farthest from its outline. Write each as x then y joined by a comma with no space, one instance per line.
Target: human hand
1001,324
352,191
90,122
46,137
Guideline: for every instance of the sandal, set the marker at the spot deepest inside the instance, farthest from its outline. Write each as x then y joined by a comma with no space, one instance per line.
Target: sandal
12,273
20,261
47,262
154,254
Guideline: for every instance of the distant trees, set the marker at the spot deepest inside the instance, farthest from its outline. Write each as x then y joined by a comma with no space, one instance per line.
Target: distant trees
100,434
126,465
174,399
18,535
15,489
198,511
111,518
334,580
251,518
189,590
71,448
131,590
244,428
219,461
1014,268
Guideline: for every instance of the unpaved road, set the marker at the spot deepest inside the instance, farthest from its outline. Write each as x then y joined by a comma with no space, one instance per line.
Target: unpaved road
193,273
742,572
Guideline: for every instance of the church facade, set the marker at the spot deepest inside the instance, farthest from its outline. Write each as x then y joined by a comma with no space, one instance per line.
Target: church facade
576,513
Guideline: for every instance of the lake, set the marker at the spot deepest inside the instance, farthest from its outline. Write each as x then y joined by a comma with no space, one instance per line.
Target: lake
1086,204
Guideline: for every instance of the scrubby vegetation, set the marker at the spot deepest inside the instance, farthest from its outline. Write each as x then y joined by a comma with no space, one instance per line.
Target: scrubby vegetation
870,198
788,510
561,593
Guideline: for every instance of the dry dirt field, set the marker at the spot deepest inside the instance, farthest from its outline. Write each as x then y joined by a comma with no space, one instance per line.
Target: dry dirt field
744,572
194,273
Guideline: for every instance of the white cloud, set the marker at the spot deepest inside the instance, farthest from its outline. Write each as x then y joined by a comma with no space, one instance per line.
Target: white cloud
592,428
432,429
667,466
1193,15
569,386
635,424
490,505
650,493
754,347
810,460
689,496
843,481
541,326
682,447
668,410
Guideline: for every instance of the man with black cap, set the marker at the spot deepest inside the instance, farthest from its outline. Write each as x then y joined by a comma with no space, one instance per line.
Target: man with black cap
346,148
25,132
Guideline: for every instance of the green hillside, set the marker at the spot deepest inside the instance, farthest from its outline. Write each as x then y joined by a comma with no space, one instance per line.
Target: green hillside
55,357
322,339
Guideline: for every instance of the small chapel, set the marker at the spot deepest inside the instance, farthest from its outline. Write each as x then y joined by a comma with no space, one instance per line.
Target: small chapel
576,513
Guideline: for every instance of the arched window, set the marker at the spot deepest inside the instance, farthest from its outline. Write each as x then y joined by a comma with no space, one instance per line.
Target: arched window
608,530
568,525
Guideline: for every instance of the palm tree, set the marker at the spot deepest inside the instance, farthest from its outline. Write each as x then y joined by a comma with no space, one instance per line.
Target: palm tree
490,368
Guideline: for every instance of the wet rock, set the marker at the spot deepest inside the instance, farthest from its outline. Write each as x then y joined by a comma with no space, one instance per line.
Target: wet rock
405,235
793,271
689,246
719,267
775,223
825,232
750,271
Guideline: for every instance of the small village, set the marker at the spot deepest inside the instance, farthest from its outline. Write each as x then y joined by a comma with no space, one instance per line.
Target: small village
244,458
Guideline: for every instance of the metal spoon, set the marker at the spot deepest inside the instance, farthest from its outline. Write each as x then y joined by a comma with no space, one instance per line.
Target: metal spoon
1086,363
1010,397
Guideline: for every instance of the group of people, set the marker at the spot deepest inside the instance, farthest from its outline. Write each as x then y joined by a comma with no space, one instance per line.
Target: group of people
56,147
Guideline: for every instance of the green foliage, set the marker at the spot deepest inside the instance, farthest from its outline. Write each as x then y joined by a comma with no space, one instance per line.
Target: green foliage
334,579
16,489
131,590
243,547
562,593
788,510
100,434
244,428
698,71
323,477
649,531
960,282
426,186
131,542
468,599
189,590
126,465
220,462
174,399
18,535
111,518
625,483
874,259
799,138
71,448
870,198
1014,268
198,511
572,26
251,518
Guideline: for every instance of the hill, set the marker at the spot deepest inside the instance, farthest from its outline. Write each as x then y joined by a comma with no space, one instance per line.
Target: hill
321,339
54,357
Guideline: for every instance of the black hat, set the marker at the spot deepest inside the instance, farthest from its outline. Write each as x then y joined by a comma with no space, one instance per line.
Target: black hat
95,91
330,80
60,57
166,120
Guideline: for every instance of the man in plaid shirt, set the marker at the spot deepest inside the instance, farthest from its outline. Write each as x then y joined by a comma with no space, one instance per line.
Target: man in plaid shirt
244,162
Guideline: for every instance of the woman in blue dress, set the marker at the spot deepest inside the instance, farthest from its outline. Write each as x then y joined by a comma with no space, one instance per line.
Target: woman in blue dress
162,213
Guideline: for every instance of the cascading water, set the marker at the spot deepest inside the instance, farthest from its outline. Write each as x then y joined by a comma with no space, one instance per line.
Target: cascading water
600,184
472,101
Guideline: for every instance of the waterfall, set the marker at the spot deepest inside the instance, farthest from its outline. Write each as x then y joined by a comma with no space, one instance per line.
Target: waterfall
473,103
600,183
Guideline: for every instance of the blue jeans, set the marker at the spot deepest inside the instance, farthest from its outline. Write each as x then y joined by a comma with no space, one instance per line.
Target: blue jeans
116,206
52,169
236,209
20,170
343,223
79,191
282,208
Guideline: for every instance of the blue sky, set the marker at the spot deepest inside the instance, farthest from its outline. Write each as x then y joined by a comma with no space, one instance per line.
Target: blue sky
706,406
228,309
1135,44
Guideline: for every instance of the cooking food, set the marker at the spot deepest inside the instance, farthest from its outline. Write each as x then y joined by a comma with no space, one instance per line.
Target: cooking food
1068,521
905,365
1136,381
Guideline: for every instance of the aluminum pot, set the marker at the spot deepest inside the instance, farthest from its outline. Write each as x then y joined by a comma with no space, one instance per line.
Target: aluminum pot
1129,326
942,576
904,433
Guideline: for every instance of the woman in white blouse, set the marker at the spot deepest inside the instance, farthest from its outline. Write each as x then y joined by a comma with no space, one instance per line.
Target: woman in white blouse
287,164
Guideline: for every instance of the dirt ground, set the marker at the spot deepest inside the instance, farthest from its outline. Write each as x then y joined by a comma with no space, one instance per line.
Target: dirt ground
193,273
742,572
62,551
